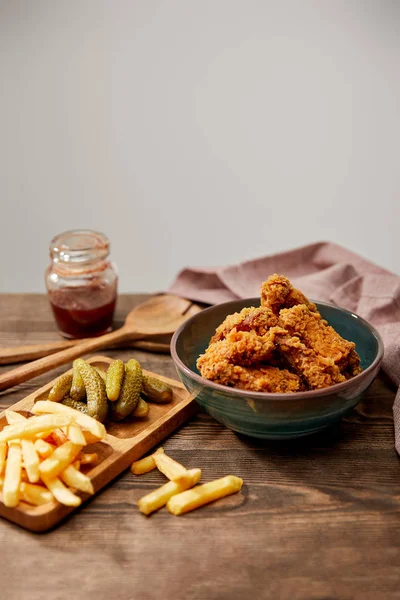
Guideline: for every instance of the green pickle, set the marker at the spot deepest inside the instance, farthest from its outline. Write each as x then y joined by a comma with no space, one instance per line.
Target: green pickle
76,404
78,391
130,392
102,373
61,387
115,377
95,391
156,390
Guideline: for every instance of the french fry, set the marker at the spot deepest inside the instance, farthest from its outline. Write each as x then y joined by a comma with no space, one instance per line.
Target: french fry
74,478
75,434
31,460
159,497
144,465
60,492
203,494
142,409
60,459
88,459
12,477
96,428
14,417
3,454
44,449
90,438
58,436
35,494
24,476
34,425
170,467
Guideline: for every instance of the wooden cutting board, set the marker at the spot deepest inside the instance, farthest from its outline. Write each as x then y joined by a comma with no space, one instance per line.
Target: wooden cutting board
126,442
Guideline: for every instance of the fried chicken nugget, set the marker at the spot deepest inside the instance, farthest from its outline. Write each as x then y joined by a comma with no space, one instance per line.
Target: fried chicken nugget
277,292
258,319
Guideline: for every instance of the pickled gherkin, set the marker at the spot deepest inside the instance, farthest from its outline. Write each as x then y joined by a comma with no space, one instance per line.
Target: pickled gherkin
61,387
130,392
78,391
142,409
115,377
156,390
95,391
76,404
102,373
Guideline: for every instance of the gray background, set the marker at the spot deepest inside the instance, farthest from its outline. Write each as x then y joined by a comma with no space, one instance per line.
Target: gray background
197,132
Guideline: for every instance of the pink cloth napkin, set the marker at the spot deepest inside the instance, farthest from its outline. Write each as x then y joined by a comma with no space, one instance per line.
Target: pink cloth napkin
323,271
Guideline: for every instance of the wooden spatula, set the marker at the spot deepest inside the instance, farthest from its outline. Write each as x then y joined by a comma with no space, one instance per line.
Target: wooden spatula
160,315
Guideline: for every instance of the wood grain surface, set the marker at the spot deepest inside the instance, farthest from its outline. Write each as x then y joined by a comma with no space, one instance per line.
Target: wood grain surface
317,519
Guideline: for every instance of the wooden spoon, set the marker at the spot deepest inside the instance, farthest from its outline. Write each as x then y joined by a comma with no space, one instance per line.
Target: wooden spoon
16,354
160,315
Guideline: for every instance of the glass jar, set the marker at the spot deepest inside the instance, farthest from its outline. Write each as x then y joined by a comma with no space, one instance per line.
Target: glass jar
82,283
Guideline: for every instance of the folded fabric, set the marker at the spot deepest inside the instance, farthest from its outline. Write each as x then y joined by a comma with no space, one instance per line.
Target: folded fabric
323,271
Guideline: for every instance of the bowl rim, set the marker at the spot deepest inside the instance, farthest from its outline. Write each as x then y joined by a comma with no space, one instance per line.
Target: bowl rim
240,393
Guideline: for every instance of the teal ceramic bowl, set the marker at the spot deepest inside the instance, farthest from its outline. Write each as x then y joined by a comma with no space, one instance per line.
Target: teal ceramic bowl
275,416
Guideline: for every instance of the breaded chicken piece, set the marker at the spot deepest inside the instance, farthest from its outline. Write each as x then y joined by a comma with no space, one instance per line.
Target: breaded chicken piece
261,379
258,319
246,348
316,370
315,334
353,366
277,292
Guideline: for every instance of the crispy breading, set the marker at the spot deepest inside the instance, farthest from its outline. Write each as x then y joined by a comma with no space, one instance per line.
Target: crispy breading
246,348
277,292
316,370
261,379
315,334
258,319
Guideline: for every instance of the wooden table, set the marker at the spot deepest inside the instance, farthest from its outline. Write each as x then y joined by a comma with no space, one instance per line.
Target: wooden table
317,518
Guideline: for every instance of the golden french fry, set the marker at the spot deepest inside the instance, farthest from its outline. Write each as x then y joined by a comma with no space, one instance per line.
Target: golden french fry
96,428
24,476
88,459
34,425
144,465
31,460
75,434
77,464
3,454
203,494
14,417
90,438
60,459
58,436
74,478
35,494
12,477
159,497
141,410
60,492
44,449
170,467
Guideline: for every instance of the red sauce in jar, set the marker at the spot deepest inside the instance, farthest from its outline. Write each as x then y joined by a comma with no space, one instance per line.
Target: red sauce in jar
82,312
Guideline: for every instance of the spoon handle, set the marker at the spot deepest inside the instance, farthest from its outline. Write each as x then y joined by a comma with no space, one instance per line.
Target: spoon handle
18,354
42,365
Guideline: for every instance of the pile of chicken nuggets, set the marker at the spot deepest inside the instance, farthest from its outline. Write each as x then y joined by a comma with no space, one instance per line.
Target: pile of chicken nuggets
282,346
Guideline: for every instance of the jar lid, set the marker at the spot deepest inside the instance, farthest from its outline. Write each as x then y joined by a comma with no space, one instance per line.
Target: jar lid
79,246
